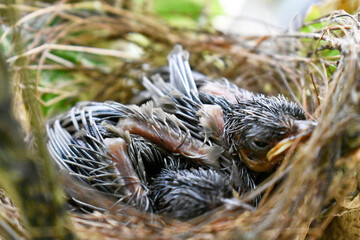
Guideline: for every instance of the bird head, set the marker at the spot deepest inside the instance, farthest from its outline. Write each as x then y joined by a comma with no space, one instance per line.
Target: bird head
263,128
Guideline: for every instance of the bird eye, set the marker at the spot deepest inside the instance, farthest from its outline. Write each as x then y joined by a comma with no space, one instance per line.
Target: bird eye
261,144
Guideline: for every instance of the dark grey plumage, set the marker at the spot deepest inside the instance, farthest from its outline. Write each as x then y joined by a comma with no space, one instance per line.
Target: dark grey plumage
260,119
258,124
76,143
184,194
217,135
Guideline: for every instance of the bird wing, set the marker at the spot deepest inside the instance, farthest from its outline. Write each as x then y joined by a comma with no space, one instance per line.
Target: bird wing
85,149
180,97
165,130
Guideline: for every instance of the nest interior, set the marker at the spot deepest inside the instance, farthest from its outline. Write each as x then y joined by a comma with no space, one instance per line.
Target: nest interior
72,51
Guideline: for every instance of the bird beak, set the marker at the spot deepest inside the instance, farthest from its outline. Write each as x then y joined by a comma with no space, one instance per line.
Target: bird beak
303,131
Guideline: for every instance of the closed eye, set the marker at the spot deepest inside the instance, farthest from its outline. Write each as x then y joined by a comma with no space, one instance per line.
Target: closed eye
261,144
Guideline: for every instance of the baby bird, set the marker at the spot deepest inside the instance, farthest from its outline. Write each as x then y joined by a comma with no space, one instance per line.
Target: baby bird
217,134
184,194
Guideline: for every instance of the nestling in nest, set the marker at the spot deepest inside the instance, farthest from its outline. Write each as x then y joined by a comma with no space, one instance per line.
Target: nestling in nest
204,151
198,144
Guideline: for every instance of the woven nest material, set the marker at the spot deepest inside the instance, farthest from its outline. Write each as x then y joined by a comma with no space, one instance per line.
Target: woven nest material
318,68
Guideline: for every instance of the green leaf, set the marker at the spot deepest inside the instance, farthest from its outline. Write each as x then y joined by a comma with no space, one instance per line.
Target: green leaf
186,12
68,55
330,53
55,75
313,27
313,14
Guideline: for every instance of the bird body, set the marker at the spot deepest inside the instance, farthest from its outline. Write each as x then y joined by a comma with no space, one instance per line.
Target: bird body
177,191
210,133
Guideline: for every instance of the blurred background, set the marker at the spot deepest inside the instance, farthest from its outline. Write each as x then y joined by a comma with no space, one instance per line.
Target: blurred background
261,16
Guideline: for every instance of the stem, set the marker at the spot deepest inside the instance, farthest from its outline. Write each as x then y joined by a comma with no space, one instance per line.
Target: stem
28,176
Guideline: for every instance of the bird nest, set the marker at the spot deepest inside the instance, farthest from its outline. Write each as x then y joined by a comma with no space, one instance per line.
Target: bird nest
94,51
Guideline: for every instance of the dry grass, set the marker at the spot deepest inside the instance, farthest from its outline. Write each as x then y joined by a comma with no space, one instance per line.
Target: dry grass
317,68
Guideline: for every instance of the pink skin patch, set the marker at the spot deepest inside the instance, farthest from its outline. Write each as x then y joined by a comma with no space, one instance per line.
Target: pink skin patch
212,117
117,150
230,94
169,140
